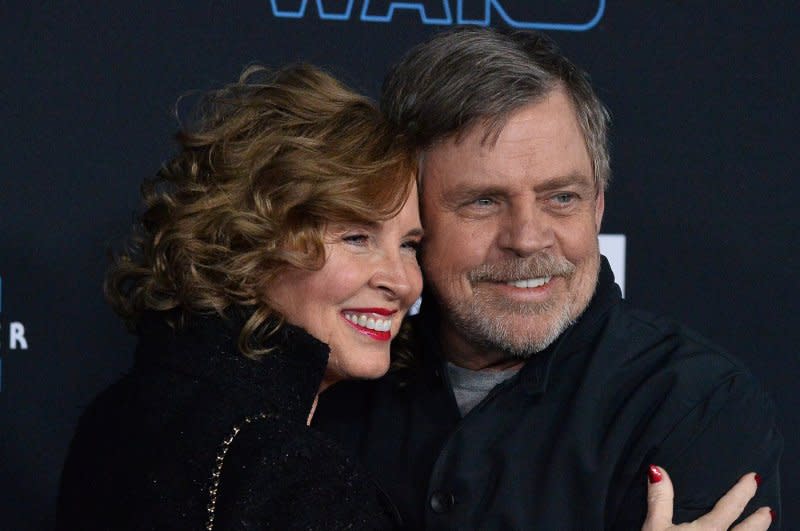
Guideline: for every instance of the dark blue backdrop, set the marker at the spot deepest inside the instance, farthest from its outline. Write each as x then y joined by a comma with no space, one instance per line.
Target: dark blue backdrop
704,156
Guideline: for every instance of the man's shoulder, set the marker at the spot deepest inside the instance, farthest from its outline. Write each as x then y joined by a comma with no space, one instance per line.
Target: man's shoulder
646,331
663,347
709,420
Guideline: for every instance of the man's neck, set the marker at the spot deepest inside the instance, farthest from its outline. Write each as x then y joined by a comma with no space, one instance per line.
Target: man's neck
460,352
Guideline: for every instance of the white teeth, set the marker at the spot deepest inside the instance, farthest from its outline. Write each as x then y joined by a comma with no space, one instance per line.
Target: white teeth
379,325
530,282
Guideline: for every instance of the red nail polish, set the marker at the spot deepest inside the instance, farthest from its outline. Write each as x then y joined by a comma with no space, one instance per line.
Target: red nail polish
654,474
758,479
773,514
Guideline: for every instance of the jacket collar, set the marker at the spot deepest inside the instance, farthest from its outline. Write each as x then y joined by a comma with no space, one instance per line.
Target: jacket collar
535,374
286,379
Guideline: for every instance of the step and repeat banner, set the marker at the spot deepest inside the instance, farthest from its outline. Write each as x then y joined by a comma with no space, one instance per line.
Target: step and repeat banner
700,217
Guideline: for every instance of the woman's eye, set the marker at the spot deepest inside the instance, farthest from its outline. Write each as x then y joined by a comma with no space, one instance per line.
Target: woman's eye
412,245
355,239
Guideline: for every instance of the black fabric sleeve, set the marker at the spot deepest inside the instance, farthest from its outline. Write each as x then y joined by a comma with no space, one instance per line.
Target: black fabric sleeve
730,433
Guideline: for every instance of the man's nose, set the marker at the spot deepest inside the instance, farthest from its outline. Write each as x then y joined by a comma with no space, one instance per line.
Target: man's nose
526,230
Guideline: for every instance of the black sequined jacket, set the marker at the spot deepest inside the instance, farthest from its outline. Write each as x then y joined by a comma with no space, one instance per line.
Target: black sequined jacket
198,436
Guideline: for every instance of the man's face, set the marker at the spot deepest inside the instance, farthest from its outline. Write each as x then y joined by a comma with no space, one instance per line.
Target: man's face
511,229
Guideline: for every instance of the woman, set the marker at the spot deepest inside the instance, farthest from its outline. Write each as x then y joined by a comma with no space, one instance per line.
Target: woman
275,256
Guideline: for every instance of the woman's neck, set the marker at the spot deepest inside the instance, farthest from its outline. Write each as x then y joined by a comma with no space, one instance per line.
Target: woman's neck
313,409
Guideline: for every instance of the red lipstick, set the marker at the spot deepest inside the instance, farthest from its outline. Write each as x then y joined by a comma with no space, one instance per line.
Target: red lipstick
379,311
357,317
374,334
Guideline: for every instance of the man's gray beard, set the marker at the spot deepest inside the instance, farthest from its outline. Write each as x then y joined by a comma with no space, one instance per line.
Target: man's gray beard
484,320
483,326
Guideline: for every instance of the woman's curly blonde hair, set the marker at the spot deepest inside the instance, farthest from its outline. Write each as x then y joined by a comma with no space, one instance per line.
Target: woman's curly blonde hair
265,165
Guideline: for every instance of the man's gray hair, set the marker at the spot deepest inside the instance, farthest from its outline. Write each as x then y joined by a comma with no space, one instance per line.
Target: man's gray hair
470,76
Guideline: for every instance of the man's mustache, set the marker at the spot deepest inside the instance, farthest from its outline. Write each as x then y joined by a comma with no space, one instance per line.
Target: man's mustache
534,266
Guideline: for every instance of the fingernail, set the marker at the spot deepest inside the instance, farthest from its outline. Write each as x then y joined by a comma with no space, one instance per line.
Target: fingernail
773,514
758,479
654,474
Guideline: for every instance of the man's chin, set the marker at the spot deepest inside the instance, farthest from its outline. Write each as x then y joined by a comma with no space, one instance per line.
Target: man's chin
517,335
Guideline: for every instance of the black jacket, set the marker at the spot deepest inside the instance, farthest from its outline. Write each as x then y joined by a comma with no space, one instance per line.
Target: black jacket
196,423
565,443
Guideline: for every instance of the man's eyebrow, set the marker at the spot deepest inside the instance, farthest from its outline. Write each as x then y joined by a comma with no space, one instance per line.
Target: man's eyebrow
567,181
471,191
468,191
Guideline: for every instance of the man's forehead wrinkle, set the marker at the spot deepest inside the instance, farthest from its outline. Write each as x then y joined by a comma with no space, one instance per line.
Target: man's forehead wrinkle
486,174
492,125
489,127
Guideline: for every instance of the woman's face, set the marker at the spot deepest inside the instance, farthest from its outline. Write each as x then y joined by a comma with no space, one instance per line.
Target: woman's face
356,302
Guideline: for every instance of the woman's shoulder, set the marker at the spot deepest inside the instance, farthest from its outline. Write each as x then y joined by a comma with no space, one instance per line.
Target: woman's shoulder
289,476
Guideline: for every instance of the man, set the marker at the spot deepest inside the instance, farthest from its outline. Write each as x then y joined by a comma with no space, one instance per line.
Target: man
535,398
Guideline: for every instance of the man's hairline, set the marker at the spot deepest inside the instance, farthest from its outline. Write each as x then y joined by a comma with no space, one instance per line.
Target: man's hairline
495,124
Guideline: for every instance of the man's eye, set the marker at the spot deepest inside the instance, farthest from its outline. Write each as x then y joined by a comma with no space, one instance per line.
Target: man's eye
483,201
564,199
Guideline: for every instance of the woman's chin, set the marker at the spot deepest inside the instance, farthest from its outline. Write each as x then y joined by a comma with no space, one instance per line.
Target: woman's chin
370,371
360,366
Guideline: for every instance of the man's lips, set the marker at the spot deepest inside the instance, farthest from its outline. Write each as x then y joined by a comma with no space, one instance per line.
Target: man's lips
521,283
530,289
529,282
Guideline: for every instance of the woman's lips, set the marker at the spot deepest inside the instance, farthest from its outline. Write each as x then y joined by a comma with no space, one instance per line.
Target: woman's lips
379,311
373,322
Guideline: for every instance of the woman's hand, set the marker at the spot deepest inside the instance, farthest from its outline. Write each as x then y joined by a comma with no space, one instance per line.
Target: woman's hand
660,500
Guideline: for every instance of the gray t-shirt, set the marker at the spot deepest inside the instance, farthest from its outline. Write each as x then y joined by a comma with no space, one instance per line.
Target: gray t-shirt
470,387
